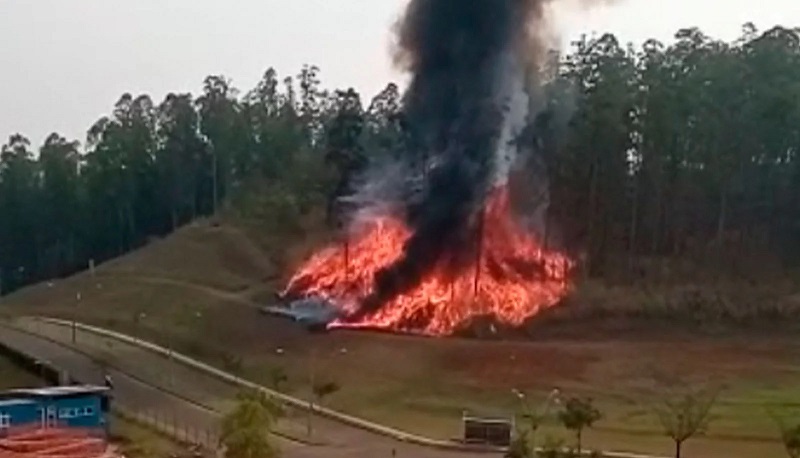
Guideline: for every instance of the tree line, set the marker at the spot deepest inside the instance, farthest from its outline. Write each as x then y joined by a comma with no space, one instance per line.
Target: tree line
682,151
660,152
147,168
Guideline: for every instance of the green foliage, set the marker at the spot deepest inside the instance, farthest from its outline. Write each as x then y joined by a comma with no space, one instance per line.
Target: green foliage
685,151
790,437
520,446
553,447
344,143
684,411
246,429
577,415
790,433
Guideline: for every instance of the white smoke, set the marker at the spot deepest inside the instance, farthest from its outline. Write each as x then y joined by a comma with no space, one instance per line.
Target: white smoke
379,191
514,102
512,155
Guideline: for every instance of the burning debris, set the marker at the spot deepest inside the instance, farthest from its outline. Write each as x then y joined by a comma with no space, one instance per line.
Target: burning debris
444,246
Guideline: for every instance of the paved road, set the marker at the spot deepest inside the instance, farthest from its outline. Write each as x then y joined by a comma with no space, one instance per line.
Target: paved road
347,442
128,392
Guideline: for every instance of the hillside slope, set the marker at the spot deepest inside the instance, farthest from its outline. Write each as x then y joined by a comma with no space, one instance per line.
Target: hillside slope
198,289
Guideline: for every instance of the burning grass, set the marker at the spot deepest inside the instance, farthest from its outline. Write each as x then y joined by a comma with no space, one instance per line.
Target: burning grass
510,278
423,384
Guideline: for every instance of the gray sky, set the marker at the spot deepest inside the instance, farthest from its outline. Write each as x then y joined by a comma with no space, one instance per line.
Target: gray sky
65,62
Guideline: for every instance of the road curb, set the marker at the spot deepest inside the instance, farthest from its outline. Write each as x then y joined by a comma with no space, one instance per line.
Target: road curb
350,420
51,373
398,435
51,367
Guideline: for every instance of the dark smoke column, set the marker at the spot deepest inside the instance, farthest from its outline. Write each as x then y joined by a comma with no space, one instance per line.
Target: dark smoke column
457,52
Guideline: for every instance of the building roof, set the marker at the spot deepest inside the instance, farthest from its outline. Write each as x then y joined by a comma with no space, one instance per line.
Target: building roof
15,402
54,392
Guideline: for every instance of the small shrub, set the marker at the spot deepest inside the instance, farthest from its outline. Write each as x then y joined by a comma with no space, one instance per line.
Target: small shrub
520,446
552,448
579,414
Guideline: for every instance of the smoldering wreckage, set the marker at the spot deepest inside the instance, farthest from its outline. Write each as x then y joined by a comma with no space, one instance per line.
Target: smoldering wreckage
448,234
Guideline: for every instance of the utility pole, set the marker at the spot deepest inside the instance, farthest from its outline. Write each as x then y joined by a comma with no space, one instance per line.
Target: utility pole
171,354
312,360
74,324
537,417
479,252
342,225
346,259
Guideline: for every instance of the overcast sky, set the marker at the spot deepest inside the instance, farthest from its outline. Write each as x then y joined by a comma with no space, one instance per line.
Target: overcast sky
63,63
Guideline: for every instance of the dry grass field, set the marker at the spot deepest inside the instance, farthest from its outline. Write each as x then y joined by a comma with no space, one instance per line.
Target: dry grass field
197,291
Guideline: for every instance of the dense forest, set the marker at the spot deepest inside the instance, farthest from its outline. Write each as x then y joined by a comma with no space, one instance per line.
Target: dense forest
682,151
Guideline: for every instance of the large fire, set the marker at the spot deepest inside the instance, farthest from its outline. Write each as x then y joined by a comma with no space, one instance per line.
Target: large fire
512,279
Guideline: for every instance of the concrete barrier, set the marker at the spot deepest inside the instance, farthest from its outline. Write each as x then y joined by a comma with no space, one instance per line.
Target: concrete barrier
55,376
292,401
296,402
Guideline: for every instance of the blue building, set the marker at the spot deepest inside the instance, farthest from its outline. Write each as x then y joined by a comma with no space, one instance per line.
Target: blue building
59,406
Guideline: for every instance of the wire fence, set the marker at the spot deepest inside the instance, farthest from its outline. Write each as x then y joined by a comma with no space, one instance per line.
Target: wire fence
171,425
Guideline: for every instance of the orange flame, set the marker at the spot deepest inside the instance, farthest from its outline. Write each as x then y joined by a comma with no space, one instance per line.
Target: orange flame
517,279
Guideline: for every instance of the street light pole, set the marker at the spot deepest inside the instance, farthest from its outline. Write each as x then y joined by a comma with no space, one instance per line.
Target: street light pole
536,417
311,377
74,324
170,344
171,360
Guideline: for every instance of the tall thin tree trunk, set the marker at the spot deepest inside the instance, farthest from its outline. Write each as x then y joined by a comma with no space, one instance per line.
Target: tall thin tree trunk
723,210
60,258
479,253
214,180
71,250
121,219
634,227
657,216
131,226
591,229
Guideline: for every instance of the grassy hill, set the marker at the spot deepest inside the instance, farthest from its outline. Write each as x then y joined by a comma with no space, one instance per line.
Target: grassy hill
198,289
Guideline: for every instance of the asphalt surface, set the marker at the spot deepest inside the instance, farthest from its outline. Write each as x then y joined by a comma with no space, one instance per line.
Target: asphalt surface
138,396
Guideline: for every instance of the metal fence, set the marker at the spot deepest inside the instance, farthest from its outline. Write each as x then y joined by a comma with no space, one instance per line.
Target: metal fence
172,426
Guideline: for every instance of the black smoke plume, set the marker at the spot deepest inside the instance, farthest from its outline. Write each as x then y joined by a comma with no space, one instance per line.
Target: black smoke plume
456,52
